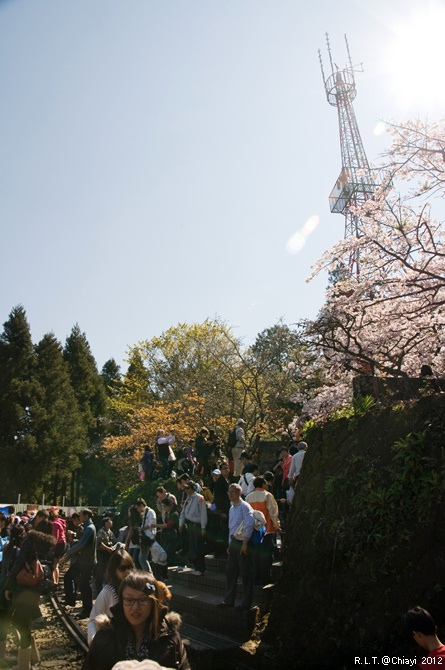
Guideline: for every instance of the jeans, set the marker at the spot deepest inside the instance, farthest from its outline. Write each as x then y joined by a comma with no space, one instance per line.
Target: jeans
143,559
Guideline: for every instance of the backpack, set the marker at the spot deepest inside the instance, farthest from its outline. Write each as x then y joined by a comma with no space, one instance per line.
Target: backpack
232,439
245,482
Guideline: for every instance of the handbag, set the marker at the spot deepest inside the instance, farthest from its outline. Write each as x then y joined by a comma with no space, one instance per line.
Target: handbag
31,574
146,541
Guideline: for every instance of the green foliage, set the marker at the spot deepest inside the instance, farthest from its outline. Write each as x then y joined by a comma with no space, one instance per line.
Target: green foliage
360,405
363,404
86,381
61,435
21,410
378,501
278,364
52,407
111,377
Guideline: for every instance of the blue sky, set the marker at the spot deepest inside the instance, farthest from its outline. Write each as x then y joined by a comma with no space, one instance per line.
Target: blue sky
156,156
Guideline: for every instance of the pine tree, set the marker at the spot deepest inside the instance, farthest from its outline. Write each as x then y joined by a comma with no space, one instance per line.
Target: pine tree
111,377
91,398
86,382
62,435
20,405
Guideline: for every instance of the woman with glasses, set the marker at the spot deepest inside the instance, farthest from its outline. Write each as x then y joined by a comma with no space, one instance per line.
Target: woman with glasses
141,627
119,565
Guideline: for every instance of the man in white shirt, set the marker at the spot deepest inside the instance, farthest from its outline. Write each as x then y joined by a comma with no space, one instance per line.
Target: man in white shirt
241,522
194,516
297,462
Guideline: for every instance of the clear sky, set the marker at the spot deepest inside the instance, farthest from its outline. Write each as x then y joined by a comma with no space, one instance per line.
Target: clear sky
156,156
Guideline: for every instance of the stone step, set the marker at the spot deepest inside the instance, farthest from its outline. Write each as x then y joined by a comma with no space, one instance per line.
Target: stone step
199,609
202,640
209,582
212,651
215,564
212,563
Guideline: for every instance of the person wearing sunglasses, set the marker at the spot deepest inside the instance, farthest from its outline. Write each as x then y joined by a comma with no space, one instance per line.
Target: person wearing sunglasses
141,627
119,565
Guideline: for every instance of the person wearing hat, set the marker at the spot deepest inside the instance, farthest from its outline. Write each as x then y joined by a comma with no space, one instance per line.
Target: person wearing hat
194,516
239,447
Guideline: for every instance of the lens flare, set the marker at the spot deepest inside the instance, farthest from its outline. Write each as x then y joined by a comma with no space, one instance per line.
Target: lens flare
380,128
310,225
297,241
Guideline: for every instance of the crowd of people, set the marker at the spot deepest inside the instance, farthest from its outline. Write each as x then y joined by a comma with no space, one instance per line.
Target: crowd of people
130,617
218,487
222,504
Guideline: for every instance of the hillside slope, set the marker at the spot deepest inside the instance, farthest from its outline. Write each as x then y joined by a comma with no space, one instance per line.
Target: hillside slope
366,540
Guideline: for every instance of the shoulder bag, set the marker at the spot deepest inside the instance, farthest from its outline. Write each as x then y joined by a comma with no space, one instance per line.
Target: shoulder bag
32,574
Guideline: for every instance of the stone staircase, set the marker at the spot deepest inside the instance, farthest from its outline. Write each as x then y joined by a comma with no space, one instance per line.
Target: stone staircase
211,632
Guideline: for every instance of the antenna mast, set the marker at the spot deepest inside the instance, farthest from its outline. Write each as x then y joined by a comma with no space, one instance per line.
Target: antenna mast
354,185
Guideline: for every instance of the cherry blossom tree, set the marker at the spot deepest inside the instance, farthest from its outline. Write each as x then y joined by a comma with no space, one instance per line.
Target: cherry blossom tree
387,318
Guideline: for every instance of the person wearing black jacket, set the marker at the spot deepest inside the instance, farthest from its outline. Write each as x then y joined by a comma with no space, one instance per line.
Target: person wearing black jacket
222,507
85,550
39,544
10,553
141,627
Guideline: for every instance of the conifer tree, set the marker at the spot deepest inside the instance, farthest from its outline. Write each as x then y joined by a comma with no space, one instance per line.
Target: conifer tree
86,382
111,377
20,405
62,435
91,398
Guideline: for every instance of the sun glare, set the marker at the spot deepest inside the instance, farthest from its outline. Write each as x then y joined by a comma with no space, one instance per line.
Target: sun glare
417,58
297,241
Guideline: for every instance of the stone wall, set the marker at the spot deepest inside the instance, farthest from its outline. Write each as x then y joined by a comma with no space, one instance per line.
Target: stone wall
392,389
365,540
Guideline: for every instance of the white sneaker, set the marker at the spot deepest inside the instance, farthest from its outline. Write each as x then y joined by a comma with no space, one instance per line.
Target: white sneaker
180,568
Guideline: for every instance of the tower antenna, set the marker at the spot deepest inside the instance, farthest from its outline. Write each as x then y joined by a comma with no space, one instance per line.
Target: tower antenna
355,184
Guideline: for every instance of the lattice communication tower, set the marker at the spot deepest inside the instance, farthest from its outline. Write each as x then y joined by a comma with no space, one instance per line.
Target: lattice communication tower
354,185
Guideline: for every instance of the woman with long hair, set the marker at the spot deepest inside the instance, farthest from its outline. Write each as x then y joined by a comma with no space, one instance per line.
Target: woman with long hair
141,627
38,544
119,565
10,554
